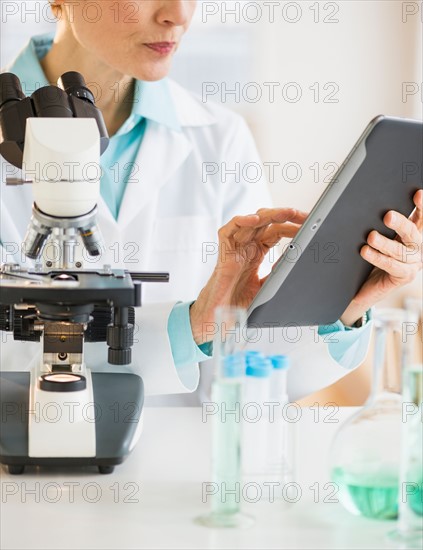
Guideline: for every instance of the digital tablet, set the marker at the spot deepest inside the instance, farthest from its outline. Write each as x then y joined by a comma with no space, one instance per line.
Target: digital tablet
321,270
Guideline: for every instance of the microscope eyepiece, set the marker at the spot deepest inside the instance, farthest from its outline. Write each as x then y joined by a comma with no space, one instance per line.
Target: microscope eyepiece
73,84
71,99
10,89
50,101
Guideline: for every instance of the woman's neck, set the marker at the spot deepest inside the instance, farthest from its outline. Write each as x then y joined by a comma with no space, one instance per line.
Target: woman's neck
112,89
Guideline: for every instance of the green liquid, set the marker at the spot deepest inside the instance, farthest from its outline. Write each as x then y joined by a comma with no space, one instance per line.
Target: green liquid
226,464
415,500
372,496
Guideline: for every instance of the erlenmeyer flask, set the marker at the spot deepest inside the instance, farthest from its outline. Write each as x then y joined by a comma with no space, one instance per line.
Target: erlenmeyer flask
365,457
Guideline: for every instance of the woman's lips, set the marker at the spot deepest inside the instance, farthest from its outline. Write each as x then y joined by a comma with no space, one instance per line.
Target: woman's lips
162,48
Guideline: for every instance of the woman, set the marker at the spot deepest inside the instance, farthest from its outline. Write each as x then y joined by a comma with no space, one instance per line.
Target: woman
159,212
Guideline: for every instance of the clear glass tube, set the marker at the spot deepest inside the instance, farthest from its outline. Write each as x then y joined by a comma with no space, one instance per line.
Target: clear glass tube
255,437
280,461
227,387
409,533
226,448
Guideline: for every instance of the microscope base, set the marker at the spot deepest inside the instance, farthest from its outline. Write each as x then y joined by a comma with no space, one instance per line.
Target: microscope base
118,399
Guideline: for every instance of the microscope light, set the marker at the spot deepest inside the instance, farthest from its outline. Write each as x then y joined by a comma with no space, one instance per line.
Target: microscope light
64,277
62,382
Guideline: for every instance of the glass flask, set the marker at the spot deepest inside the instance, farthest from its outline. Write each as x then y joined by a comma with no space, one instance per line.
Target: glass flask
409,533
365,454
227,387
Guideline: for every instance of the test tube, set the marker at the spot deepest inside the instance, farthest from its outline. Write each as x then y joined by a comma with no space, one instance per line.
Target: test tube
256,420
229,371
280,444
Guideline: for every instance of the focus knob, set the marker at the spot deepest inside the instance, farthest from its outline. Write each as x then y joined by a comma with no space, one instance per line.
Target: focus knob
119,356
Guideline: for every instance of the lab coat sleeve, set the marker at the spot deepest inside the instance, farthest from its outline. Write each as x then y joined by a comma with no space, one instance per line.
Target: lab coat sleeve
152,354
346,343
314,368
184,349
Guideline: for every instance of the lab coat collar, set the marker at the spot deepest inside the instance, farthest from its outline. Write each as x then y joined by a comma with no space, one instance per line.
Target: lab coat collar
153,101
190,110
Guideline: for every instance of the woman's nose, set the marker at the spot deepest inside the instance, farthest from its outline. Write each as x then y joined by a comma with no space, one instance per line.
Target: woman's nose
175,12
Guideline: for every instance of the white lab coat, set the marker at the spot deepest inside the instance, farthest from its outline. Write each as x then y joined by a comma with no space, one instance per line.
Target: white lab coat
168,221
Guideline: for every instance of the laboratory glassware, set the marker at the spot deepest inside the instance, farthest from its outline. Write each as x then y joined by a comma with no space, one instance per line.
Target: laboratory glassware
256,420
409,532
281,444
365,455
227,387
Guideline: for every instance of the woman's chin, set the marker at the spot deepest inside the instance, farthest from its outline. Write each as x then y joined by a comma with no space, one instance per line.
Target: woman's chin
152,71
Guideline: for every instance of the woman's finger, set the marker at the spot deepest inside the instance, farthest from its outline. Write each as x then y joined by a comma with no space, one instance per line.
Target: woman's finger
404,227
276,232
281,215
270,216
403,253
227,231
393,267
246,234
417,214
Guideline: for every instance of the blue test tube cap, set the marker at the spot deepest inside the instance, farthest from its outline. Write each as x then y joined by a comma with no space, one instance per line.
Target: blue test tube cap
259,368
280,361
234,366
254,357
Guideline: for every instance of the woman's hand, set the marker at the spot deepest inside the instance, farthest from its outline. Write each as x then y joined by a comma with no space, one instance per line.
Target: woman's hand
397,261
243,244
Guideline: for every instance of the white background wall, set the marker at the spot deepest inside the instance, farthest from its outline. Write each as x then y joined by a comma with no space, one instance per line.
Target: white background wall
367,55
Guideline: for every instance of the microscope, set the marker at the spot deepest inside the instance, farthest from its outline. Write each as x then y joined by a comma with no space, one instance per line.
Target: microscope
59,413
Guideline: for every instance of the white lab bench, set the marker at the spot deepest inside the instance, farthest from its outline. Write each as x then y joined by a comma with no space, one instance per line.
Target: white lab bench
151,500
